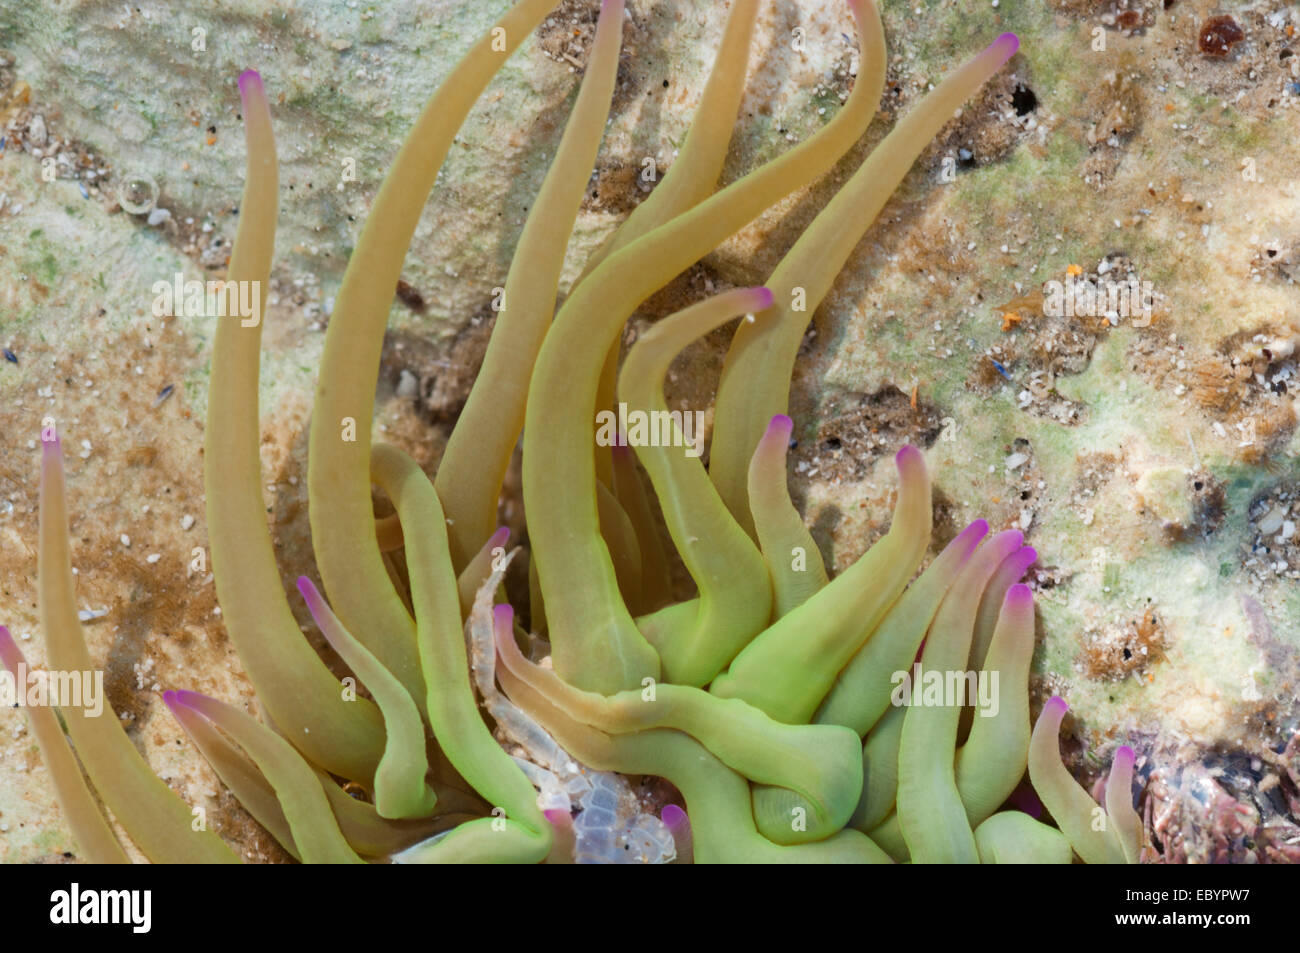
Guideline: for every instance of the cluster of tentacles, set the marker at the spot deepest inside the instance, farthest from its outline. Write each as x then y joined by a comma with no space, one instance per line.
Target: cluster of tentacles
765,699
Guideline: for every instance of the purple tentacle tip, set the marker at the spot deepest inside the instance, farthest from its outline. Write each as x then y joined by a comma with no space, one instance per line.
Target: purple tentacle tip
1057,703
908,454
1019,594
673,816
500,536
780,425
503,614
249,79
765,298
1006,45
189,699
1125,754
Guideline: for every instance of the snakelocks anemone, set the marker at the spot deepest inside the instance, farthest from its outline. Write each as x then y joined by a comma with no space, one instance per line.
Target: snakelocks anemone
879,716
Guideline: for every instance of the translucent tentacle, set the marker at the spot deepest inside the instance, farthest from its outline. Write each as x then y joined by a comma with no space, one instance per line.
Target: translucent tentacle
517,831
157,820
400,787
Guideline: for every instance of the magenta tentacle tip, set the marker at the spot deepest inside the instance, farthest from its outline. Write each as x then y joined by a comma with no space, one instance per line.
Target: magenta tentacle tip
1006,45
500,536
780,425
1019,595
979,528
1012,539
1056,704
673,816
250,80
908,455
1125,755
558,818
763,298
188,699
503,614
311,595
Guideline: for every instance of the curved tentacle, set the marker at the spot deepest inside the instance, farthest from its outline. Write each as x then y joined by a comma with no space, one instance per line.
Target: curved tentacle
805,772
400,787
794,563
1073,809
157,820
298,790
519,832
717,798
791,666
930,810
338,452
478,453
756,374
596,643
89,827
735,600
293,684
